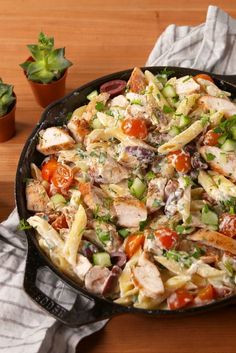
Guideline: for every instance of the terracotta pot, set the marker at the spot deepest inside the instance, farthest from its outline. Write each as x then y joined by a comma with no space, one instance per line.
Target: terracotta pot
7,124
46,93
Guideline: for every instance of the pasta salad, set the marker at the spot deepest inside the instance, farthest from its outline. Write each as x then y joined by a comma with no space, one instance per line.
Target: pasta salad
136,197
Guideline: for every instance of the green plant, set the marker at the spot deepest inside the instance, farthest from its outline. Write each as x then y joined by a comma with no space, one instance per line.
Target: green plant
6,97
47,63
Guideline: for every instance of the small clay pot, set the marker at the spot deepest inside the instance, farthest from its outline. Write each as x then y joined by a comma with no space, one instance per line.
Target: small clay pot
46,93
7,124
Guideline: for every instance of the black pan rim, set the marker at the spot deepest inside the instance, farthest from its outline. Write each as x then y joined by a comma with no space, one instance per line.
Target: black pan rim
118,307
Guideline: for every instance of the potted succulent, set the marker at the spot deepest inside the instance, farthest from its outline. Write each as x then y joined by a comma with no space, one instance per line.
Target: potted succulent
7,111
46,70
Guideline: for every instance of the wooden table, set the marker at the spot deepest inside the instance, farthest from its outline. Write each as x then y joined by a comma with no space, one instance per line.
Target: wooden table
101,37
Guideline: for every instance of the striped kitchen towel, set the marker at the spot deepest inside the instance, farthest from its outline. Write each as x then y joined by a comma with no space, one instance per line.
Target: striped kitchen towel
24,327
210,46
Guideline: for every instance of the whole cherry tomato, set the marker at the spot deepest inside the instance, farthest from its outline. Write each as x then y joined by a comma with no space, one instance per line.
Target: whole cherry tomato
204,77
228,224
133,244
179,299
180,160
167,237
62,177
48,169
135,127
211,138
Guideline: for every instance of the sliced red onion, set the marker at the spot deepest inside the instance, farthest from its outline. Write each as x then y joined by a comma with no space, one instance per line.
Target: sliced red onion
118,258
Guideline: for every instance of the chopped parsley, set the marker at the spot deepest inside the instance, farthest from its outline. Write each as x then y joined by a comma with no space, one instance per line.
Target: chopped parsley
103,235
179,256
181,229
142,225
166,72
210,156
167,109
150,175
69,116
156,203
204,120
99,106
23,225
136,101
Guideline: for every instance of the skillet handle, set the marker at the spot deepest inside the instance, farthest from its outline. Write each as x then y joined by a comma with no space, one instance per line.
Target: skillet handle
84,311
227,78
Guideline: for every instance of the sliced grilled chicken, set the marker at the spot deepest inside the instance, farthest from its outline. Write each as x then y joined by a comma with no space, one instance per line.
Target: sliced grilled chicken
94,198
82,266
54,139
36,196
96,278
186,85
215,239
155,195
218,104
91,107
79,128
130,212
222,162
146,277
104,169
137,82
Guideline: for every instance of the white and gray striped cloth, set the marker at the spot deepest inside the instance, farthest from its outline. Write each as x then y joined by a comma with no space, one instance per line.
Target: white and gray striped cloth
210,46
23,326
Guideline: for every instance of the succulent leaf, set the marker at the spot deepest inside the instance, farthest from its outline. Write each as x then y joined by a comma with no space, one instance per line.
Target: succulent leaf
6,97
49,63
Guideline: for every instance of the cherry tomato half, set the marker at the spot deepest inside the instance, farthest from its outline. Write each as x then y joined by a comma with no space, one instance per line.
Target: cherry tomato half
133,243
48,169
228,224
167,237
180,160
62,177
179,299
135,127
204,77
211,138
205,294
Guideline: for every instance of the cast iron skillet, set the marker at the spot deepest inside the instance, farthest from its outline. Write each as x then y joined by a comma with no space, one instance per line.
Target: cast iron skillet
96,308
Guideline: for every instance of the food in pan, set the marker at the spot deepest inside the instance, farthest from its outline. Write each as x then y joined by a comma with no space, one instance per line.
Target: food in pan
136,196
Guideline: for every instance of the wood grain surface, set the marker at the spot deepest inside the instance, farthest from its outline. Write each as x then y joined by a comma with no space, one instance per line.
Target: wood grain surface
101,37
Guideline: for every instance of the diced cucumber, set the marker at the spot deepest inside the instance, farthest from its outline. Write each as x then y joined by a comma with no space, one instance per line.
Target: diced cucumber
92,95
184,120
209,217
229,146
175,130
169,91
58,200
96,124
102,259
138,188
233,132
222,139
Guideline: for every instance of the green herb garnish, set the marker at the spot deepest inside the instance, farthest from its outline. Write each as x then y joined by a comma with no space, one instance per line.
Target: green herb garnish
24,225
167,109
99,106
124,232
210,156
